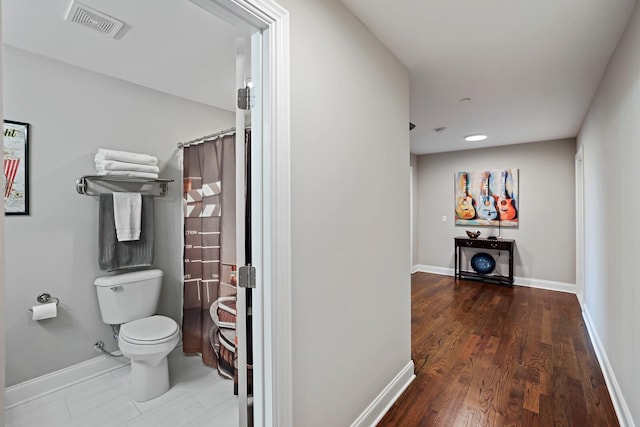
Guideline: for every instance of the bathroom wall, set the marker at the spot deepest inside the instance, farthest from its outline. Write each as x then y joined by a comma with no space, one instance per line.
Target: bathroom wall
2,284
72,113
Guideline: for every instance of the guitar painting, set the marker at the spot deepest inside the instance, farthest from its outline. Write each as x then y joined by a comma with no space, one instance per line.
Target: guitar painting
506,205
464,207
487,206
486,198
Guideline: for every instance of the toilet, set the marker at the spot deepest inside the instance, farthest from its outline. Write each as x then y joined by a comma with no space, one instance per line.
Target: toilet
130,300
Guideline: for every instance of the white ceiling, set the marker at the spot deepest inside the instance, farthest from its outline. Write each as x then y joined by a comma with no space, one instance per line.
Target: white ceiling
530,67
169,45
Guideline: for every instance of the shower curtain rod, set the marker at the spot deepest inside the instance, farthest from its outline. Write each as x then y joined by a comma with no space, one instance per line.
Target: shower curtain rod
213,135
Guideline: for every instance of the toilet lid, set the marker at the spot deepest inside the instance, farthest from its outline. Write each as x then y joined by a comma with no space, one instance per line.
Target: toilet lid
149,330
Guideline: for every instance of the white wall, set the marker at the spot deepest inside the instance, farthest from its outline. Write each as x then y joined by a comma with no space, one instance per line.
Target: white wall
610,138
350,214
414,183
545,237
72,112
2,269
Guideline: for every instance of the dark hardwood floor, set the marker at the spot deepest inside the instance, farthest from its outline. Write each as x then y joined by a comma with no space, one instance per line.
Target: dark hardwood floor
487,355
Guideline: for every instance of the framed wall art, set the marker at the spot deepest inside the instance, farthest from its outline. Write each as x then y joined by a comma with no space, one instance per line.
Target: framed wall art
16,168
488,197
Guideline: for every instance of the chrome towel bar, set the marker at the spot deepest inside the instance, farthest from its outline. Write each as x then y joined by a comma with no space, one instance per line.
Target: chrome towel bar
87,185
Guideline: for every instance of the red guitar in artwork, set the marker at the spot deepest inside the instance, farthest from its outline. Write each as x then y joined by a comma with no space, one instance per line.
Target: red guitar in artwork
506,205
464,208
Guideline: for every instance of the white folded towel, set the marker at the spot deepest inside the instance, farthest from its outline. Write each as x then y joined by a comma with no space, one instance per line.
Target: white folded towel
127,212
128,174
125,156
113,165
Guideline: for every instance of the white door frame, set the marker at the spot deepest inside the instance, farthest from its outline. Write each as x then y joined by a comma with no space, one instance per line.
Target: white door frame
579,171
411,218
273,391
242,73
2,268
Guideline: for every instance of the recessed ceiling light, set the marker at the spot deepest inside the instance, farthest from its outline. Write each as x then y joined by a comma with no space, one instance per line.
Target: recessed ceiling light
474,138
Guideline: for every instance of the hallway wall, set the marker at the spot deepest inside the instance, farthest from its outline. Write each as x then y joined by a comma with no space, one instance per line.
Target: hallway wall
610,138
72,113
414,183
545,236
350,214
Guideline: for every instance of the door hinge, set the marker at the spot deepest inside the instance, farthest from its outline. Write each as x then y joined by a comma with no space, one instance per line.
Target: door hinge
244,98
247,276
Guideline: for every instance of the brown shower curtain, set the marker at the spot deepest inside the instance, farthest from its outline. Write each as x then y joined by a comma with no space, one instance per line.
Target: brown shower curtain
210,252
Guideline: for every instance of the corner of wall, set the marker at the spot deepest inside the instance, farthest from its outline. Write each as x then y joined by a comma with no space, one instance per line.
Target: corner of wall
387,397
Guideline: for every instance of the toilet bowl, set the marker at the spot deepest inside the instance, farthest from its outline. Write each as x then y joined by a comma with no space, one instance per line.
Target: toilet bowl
131,300
148,342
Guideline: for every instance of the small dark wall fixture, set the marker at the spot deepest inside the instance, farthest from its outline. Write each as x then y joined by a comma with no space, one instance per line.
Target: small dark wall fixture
16,168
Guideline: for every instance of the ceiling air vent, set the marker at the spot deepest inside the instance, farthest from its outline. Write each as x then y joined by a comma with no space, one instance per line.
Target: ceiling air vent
94,19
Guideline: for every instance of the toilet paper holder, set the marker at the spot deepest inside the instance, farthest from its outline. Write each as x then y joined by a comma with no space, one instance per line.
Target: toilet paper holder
45,298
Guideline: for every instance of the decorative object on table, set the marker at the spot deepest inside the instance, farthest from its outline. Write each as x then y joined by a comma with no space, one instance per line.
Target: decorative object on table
16,168
483,263
499,231
473,234
493,195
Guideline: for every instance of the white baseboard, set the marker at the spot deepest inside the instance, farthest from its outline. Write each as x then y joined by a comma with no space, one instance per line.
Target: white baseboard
48,383
387,397
518,281
434,270
622,410
549,285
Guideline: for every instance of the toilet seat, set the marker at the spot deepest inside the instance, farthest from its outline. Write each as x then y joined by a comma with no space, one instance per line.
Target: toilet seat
148,342
149,330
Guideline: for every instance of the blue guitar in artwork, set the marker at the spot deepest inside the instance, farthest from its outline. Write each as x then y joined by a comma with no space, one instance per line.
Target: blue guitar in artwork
487,206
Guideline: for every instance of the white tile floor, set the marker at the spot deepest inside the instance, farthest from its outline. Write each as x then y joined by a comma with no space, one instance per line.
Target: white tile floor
198,397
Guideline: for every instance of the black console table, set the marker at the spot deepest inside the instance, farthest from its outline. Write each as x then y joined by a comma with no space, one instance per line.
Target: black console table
495,244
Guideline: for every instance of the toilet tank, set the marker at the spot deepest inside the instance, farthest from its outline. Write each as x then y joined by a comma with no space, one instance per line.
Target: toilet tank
128,296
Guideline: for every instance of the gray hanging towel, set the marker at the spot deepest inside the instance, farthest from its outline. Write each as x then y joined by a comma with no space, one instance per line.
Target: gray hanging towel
115,255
